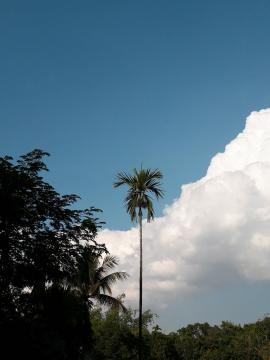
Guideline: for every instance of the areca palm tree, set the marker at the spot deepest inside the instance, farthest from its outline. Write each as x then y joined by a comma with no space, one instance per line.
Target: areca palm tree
93,280
141,185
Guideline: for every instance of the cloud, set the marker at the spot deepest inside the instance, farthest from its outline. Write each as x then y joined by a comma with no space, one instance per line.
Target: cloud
216,233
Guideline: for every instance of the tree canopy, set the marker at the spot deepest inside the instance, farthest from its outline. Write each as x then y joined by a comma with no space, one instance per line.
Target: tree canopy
115,338
43,242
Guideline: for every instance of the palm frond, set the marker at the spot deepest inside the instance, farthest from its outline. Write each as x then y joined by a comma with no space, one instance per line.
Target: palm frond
123,178
93,278
149,208
109,262
112,302
107,281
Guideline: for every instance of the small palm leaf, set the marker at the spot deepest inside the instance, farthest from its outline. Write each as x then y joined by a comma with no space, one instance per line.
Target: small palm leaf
109,280
112,302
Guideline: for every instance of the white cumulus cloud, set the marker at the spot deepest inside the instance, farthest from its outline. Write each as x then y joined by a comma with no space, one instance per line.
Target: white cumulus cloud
216,232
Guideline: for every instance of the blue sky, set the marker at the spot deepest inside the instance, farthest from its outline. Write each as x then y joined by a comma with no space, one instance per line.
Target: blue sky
107,85
104,86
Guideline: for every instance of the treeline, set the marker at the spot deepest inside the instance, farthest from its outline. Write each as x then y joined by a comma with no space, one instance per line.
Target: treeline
115,337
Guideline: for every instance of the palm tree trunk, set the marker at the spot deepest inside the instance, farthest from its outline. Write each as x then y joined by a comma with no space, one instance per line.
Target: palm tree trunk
140,286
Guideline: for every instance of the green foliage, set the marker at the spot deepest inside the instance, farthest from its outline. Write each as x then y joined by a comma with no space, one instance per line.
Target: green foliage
44,241
116,333
40,235
116,337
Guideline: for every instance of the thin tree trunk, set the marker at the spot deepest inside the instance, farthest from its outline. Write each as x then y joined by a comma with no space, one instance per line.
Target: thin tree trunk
140,286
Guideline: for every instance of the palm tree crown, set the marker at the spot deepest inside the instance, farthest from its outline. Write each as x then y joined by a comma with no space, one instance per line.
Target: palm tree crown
141,185
94,279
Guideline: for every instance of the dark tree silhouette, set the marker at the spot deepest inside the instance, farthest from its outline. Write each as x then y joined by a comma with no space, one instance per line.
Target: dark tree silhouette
93,279
42,242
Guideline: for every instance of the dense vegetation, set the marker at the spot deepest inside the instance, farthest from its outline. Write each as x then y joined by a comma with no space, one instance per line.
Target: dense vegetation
115,337
51,268
54,277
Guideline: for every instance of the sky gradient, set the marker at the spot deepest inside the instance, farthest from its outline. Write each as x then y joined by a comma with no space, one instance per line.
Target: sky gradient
107,85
